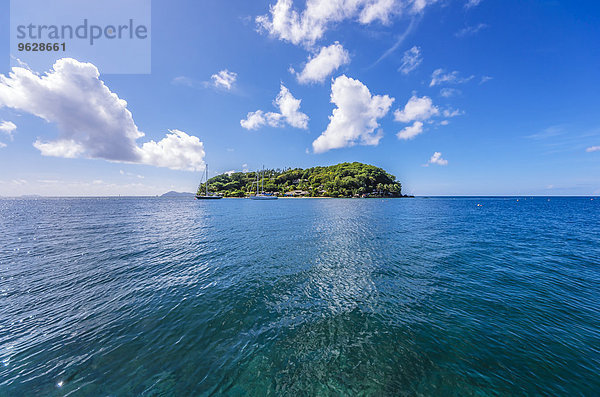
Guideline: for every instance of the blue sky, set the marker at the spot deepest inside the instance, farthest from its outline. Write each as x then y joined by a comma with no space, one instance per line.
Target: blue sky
488,97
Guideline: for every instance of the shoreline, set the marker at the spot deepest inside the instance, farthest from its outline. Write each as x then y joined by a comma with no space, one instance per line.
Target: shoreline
37,197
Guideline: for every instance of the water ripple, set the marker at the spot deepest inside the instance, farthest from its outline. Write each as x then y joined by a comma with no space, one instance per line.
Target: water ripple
149,296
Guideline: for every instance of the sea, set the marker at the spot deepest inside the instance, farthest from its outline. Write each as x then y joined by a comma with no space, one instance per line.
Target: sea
441,296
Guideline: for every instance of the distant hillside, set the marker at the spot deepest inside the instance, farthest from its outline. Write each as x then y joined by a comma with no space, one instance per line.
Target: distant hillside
177,194
341,180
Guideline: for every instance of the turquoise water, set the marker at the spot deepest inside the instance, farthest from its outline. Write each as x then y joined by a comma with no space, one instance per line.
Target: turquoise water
155,296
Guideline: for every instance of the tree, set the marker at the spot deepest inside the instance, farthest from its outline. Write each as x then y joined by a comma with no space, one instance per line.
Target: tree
341,180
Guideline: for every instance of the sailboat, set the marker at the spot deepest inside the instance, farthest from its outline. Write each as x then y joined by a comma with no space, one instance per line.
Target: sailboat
207,196
262,195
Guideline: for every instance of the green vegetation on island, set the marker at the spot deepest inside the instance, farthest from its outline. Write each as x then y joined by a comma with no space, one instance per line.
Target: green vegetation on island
341,180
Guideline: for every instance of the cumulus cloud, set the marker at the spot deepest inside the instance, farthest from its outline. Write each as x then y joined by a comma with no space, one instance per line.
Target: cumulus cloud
437,159
177,150
309,25
439,76
66,148
416,109
354,120
290,109
593,149
224,79
411,60
8,127
411,131
254,120
327,61
93,122
289,112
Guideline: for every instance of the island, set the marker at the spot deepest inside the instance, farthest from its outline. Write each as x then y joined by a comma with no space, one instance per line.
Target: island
343,180
177,194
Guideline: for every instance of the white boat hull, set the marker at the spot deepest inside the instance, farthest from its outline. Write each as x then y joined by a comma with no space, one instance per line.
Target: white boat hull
198,197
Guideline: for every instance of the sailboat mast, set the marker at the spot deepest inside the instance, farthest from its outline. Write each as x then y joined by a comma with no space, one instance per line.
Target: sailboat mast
207,179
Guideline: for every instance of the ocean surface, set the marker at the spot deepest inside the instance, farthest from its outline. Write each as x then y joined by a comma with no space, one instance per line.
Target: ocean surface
424,296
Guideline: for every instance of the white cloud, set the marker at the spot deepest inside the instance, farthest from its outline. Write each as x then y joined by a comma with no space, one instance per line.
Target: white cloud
437,159
96,187
186,81
131,174
593,149
449,92
289,112
418,6
66,148
309,25
470,30
439,76
8,127
411,131
485,79
254,120
224,79
550,132
399,40
328,60
378,10
93,122
452,112
354,121
411,60
178,151
472,3
230,172
416,109
290,109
